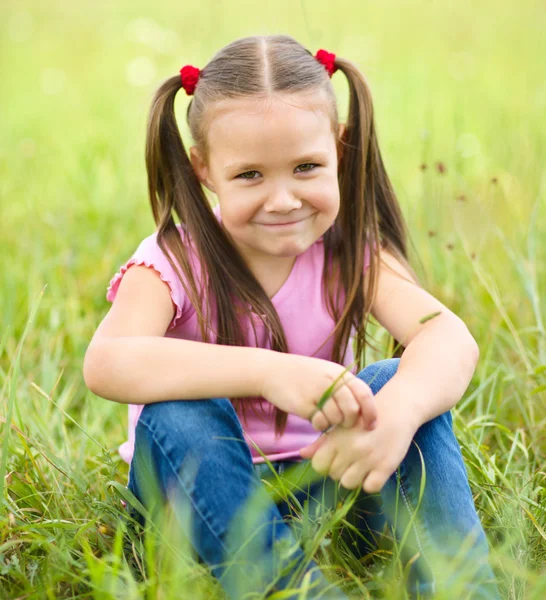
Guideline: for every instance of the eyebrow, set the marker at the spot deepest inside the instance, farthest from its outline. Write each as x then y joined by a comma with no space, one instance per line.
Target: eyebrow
241,166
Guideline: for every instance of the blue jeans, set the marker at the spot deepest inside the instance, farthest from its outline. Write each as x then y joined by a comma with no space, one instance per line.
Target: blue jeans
192,454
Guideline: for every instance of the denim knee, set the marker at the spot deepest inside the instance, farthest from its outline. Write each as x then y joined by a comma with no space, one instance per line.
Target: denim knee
192,423
185,432
378,373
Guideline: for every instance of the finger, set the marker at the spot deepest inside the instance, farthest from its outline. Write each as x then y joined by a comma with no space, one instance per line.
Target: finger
332,411
323,459
309,451
339,465
319,420
374,481
331,415
348,405
377,477
366,400
354,476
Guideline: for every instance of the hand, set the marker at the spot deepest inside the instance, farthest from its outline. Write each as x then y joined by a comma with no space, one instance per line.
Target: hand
357,457
295,384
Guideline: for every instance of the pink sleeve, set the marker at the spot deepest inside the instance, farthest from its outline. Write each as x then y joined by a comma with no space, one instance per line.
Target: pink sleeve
126,450
150,254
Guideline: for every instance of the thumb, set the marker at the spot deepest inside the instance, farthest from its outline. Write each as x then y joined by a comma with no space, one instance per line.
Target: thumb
309,451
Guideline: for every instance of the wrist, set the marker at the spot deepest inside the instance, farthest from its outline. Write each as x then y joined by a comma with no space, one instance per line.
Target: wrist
401,397
266,361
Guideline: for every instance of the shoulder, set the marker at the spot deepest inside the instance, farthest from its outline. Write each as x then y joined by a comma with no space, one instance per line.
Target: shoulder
149,254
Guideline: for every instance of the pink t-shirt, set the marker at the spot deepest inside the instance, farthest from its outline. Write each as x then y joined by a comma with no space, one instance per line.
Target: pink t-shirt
306,322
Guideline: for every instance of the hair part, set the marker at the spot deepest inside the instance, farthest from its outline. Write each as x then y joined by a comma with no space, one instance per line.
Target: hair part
263,67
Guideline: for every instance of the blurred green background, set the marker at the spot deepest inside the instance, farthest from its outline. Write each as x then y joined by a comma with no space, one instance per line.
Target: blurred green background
460,102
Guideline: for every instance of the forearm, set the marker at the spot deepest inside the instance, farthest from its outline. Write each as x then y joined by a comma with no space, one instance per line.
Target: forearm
434,370
142,370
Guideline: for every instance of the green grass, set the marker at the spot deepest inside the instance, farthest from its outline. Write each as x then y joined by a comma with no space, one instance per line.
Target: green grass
461,84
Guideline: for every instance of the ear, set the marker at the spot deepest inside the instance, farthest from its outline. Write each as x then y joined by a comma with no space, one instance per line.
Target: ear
341,137
200,167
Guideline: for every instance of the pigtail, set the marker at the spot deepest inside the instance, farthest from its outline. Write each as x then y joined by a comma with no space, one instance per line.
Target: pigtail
228,288
369,215
173,186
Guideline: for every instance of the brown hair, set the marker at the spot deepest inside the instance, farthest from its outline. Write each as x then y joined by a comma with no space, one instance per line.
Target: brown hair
260,66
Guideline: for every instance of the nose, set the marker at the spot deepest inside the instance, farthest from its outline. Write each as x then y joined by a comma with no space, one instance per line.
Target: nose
281,200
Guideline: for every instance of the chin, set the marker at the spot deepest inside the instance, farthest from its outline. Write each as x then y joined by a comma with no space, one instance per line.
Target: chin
289,251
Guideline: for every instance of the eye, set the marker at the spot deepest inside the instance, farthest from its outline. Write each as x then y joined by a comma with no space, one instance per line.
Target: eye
309,165
241,175
313,165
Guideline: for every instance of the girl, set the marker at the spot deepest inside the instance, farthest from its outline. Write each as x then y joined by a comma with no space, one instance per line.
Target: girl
227,328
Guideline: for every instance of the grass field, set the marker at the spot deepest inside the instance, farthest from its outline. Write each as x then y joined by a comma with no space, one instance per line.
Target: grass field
460,101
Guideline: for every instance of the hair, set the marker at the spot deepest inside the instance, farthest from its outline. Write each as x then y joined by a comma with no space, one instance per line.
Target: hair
261,67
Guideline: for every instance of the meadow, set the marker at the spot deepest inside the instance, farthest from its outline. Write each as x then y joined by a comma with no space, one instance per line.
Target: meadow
460,101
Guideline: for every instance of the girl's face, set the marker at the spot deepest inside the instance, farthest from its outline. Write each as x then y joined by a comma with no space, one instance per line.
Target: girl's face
274,168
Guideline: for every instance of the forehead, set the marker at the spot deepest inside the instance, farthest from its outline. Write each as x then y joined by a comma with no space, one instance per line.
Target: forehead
251,129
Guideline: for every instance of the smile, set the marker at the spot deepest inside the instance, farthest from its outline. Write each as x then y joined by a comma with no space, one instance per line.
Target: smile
283,225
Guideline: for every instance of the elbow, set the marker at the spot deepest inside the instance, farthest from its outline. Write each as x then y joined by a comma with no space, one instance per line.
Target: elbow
92,370
475,349
472,351
469,351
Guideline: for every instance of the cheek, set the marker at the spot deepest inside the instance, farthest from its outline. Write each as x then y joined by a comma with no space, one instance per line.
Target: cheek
237,217
327,192
328,201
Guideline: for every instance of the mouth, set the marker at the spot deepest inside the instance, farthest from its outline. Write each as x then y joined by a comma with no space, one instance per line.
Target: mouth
282,225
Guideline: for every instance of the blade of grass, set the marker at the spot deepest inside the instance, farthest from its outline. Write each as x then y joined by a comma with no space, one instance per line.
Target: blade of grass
12,391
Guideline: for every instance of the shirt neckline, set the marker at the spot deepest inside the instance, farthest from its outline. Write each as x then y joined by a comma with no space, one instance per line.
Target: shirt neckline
284,291
287,286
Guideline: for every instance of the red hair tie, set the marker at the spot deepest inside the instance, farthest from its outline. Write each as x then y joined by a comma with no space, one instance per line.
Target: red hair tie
327,59
189,75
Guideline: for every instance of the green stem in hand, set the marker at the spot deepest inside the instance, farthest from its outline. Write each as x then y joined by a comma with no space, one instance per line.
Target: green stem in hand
329,392
330,389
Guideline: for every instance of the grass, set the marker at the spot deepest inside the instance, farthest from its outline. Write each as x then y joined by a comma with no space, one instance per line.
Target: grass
459,98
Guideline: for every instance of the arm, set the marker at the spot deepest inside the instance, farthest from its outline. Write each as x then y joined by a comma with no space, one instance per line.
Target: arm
433,374
441,354
434,370
129,361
